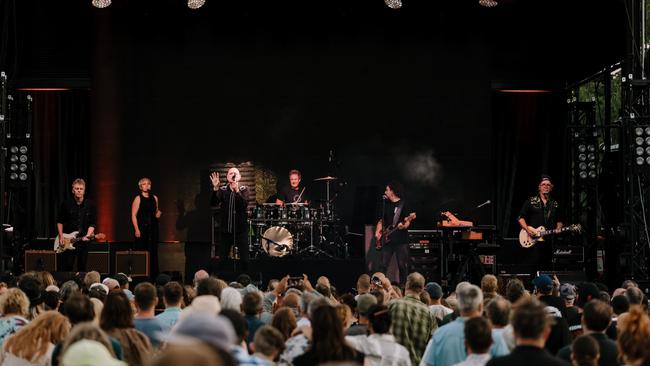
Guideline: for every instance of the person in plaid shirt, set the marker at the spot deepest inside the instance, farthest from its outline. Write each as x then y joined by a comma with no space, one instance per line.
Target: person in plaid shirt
413,322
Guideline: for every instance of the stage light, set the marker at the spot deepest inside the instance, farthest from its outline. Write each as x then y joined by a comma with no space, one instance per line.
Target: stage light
585,163
22,176
13,167
14,149
101,4
195,4
393,4
488,3
641,146
23,167
23,149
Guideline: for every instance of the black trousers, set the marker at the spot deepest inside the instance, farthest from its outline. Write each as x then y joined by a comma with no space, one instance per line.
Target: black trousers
148,241
226,241
401,252
80,254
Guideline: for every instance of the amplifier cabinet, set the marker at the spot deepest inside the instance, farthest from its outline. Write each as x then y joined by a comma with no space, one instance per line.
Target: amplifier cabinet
133,263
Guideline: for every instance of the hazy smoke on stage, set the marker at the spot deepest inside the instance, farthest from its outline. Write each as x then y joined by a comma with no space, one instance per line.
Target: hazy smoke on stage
420,167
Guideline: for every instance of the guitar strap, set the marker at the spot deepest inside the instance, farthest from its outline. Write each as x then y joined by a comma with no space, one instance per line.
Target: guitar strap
398,213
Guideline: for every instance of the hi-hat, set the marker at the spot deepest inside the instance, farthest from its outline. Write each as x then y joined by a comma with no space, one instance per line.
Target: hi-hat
328,178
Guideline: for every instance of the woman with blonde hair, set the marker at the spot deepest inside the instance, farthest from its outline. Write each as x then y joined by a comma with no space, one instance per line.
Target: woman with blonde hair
33,345
634,336
14,306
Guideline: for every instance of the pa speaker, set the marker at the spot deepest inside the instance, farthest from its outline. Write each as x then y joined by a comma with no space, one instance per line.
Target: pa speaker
133,263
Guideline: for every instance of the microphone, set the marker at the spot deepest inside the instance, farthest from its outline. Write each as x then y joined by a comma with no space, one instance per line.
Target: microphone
484,203
383,196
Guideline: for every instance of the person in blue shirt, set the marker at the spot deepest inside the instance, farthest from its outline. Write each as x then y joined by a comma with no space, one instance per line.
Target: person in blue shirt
145,321
172,298
447,346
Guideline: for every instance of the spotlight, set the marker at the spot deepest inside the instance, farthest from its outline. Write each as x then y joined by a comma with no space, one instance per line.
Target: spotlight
640,149
14,149
101,4
195,4
582,148
488,3
22,176
13,176
393,4
23,149
13,167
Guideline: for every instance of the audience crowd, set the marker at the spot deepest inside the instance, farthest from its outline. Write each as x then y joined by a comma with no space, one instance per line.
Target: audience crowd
90,321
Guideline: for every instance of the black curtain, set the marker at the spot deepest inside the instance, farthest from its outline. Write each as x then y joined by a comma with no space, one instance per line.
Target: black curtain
528,142
61,151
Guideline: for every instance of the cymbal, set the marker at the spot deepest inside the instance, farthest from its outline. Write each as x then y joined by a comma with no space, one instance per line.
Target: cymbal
328,178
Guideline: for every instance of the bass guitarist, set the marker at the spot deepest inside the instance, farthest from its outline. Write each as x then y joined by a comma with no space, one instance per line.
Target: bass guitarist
391,232
541,210
76,214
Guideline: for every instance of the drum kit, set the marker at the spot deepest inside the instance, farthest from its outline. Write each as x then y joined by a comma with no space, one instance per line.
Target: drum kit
294,228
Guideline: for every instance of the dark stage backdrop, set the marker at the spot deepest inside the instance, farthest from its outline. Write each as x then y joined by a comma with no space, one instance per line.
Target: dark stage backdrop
396,95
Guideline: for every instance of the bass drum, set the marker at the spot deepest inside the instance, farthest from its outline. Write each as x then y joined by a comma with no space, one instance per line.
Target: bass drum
277,241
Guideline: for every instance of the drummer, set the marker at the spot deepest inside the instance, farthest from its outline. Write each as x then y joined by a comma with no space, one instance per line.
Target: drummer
294,193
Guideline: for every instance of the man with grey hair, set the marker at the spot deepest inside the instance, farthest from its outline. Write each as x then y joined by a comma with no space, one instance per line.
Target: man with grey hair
447,346
412,321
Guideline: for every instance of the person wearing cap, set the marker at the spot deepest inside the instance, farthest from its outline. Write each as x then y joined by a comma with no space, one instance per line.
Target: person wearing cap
568,294
544,286
555,307
540,210
364,302
435,295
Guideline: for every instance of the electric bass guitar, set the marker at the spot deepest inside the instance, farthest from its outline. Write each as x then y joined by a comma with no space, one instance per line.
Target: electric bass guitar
527,241
389,230
69,240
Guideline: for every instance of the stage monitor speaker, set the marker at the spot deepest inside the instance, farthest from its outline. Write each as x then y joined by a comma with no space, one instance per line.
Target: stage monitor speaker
40,260
99,261
133,263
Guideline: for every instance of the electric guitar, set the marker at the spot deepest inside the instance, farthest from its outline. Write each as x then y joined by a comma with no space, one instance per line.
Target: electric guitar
527,241
69,240
389,230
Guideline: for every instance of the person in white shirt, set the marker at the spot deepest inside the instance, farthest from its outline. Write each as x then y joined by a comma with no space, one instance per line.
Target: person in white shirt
380,346
478,339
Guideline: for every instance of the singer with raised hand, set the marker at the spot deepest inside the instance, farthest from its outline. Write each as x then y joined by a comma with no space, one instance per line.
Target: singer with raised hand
541,210
232,198
391,233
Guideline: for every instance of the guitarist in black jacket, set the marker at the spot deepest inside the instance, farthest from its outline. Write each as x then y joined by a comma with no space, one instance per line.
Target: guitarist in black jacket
391,232
76,214
541,210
